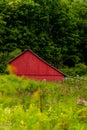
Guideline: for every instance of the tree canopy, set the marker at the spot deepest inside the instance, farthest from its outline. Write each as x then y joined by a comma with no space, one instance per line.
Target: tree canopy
54,29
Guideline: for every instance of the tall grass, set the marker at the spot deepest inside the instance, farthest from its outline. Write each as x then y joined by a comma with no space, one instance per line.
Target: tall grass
38,105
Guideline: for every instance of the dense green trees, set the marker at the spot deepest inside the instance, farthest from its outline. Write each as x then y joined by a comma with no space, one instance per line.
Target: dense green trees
55,30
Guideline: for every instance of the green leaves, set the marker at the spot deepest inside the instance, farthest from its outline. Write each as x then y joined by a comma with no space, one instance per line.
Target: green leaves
55,30
20,101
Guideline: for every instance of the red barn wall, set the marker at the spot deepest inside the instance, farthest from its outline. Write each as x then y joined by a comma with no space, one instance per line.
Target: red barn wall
31,66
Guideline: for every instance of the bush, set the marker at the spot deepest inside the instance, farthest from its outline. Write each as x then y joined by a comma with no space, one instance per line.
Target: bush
79,69
5,57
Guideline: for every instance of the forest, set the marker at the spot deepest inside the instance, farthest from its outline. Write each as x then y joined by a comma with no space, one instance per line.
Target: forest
56,30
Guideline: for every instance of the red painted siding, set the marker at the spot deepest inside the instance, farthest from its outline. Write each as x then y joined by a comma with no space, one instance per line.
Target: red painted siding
30,65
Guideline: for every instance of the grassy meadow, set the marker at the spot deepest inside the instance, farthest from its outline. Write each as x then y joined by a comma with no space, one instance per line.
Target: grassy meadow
40,105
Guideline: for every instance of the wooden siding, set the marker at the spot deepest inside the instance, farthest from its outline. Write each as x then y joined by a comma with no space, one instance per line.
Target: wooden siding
31,66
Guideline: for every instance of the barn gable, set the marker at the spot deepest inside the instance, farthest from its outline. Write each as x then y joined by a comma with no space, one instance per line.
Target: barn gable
30,65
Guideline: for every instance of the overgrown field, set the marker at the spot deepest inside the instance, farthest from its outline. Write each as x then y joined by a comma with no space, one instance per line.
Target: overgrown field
35,105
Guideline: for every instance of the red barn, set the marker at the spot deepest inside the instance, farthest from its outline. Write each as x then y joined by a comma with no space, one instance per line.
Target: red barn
29,65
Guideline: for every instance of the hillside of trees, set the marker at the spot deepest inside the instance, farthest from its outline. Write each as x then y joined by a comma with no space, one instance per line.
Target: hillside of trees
56,30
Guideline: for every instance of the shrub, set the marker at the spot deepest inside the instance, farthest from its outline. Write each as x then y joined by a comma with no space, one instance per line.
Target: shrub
79,69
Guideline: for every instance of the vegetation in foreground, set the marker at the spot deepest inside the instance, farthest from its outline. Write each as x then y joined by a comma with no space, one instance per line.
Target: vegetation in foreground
35,105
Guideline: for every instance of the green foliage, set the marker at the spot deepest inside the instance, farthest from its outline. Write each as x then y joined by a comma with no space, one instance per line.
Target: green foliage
55,30
20,104
79,69
5,57
82,115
